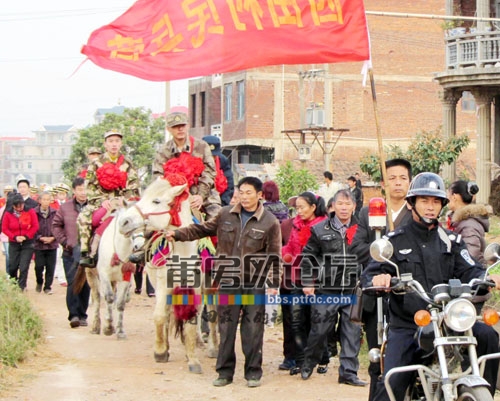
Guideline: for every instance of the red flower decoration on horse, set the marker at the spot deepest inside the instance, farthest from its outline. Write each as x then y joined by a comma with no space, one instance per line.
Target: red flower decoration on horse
187,165
110,176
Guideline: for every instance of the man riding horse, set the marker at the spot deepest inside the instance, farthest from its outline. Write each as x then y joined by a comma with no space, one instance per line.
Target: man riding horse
110,176
192,158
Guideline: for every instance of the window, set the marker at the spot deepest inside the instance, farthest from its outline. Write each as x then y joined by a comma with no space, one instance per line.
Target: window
193,110
203,106
240,87
30,165
228,102
468,101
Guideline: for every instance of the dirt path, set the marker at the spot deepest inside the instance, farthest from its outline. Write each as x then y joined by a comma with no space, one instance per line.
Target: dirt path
74,365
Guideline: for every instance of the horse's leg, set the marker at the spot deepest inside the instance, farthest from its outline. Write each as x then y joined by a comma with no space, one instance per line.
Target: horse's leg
213,341
94,284
122,296
190,338
109,296
161,314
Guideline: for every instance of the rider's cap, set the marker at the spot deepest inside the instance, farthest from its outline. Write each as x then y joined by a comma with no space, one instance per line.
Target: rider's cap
177,118
111,133
94,150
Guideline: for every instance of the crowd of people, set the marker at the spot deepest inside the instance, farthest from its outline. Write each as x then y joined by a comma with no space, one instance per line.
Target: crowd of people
314,244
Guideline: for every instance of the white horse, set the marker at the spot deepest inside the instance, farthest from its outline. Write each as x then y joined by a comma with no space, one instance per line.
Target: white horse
111,279
155,210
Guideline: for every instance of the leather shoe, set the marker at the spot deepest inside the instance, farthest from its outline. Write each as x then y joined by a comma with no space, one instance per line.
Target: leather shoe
306,373
322,369
287,364
355,381
221,382
74,322
295,371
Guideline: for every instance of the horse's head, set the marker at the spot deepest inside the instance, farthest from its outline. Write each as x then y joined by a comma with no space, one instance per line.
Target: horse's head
155,210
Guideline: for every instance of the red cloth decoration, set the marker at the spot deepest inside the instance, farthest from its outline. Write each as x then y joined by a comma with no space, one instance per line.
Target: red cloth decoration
220,181
350,232
83,173
110,176
175,207
184,312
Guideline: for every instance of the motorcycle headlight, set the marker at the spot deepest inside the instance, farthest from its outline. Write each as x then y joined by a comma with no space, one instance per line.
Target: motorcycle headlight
460,315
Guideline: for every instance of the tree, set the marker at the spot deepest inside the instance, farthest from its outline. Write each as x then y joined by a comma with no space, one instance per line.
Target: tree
292,182
141,136
428,152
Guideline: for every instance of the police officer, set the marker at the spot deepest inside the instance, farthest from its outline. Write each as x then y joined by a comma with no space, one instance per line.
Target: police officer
434,256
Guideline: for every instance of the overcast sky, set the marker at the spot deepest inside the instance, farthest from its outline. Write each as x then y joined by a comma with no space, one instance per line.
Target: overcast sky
40,44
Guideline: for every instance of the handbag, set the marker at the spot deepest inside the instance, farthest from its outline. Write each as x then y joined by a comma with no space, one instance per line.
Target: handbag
356,309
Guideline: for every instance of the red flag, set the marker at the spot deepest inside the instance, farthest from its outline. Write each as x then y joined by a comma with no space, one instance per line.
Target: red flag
164,40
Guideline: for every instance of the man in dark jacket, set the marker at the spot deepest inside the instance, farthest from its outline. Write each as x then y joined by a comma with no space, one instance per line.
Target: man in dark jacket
65,230
224,165
433,256
249,239
45,244
327,254
396,184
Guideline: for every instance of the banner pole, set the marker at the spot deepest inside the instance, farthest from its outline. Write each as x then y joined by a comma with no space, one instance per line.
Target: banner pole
381,149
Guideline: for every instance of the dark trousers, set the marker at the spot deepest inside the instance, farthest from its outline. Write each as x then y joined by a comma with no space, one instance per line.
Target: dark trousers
301,326
370,321
252,338
322,321
288,336
138,278
20,254
45,260
77,304
403,339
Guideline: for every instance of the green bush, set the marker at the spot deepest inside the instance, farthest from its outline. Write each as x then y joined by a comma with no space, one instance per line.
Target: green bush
20,326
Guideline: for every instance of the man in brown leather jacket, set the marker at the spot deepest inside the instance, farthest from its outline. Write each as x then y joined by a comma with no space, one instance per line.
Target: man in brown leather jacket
249,241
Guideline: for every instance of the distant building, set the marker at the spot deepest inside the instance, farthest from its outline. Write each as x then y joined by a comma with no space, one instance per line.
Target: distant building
38,159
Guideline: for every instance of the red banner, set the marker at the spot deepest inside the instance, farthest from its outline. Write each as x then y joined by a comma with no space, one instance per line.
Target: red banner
164,40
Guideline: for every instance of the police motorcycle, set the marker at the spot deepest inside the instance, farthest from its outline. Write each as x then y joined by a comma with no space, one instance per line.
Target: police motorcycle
444,334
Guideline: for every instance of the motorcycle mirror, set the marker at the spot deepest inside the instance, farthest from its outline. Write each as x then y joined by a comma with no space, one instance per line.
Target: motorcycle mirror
381,250
492,253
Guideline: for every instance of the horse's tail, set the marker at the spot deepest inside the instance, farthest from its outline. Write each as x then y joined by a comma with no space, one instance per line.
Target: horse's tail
79,280
183,312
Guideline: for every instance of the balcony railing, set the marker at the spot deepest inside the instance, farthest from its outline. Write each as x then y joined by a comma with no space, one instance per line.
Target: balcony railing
473,50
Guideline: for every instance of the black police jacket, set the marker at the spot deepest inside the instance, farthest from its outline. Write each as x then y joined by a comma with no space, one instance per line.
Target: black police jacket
432,257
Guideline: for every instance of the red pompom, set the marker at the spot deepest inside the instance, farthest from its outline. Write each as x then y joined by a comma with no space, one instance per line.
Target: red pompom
110,176
184,312
186,165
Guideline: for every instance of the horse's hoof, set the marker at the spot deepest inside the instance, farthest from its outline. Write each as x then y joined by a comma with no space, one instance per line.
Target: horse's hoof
121,336
162,358
108,331
212,353
95,331
195,369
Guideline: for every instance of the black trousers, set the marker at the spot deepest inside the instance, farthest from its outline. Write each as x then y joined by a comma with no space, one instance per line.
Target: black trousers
77,304
20,254
288,335
252,338
45,260
403,339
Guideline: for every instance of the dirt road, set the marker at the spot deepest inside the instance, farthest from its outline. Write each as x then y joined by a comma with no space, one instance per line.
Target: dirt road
74,365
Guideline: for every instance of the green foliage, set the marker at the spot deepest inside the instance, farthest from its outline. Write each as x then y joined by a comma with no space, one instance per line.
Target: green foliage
140,136
20,326
292,182
428,152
